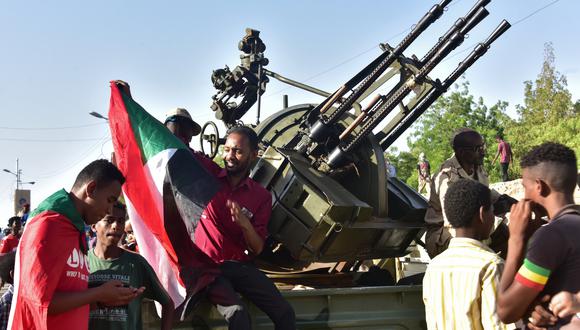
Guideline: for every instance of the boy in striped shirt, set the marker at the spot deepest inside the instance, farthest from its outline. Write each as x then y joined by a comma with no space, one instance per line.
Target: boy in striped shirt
460,285
551,262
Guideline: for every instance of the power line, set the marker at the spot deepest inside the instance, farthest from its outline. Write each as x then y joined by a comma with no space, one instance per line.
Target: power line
341,63
49,140
534,12
81,158
353,57
402,32
325,71
102,154
466,48
49,128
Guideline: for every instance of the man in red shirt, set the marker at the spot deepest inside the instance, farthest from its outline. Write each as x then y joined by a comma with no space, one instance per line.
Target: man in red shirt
51,274
10,242
232,231
504,152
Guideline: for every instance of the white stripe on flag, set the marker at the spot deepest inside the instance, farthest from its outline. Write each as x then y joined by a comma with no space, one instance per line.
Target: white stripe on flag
152,250
149,246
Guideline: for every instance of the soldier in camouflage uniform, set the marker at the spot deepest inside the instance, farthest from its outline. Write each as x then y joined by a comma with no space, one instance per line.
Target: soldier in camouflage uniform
466,162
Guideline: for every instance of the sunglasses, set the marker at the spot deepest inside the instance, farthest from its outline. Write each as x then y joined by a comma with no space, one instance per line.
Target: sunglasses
178,120
477,148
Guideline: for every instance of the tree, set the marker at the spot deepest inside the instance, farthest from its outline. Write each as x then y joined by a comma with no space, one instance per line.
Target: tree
405,163
548,113
433,132
547,99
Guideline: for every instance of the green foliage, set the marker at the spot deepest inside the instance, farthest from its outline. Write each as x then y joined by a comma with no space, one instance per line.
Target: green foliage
548,114
433,132
218,159
523,137
547,99
405,163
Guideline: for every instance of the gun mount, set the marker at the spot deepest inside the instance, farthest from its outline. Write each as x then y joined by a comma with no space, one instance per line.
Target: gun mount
324,163
247,81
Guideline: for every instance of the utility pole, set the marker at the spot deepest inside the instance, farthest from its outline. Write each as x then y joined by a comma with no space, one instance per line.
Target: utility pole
21,197
18,175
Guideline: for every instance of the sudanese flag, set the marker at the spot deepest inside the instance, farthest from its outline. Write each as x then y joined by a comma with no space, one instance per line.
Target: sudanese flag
166,190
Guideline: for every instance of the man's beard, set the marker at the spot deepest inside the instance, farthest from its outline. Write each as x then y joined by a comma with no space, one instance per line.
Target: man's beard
239,170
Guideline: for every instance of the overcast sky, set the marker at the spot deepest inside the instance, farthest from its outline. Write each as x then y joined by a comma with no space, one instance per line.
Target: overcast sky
58,57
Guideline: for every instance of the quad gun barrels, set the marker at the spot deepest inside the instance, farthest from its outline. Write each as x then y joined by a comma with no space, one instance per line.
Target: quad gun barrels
347,139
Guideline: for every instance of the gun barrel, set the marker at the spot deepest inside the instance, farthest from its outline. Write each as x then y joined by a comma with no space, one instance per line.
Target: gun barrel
332,99
398,96
476,19
360,117
459,24
499,30
453,42
444,46
477,52
412,117
431,16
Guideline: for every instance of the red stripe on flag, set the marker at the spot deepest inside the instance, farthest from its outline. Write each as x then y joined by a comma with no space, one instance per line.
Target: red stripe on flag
528,283
129,160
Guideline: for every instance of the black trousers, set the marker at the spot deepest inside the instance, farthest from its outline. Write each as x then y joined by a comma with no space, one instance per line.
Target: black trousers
246,279
504,171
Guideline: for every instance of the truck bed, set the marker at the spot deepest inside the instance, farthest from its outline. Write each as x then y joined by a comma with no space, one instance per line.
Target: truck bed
381,307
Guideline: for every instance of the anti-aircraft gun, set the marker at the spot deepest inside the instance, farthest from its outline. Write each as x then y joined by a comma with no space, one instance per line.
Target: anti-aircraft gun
324,163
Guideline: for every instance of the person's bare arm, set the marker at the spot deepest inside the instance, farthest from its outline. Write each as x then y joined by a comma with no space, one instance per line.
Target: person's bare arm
514,298
254,242
167,311
496,155
111,293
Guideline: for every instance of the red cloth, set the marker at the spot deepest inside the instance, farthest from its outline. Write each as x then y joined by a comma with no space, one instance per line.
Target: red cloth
505,152
137,137
49,260
217,235
9,243
209,164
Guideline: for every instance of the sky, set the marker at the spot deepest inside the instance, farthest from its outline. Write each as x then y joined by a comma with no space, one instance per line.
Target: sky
59,56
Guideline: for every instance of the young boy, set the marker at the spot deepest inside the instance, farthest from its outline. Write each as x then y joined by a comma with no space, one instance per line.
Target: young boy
552,261
459,287
107,261
130,242
51,274
10,242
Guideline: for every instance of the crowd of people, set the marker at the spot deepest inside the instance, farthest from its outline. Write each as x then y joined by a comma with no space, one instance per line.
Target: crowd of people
487,275
77,264
86,271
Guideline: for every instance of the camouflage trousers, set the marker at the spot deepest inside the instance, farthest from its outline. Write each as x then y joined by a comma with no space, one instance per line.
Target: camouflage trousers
424,184
437,239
